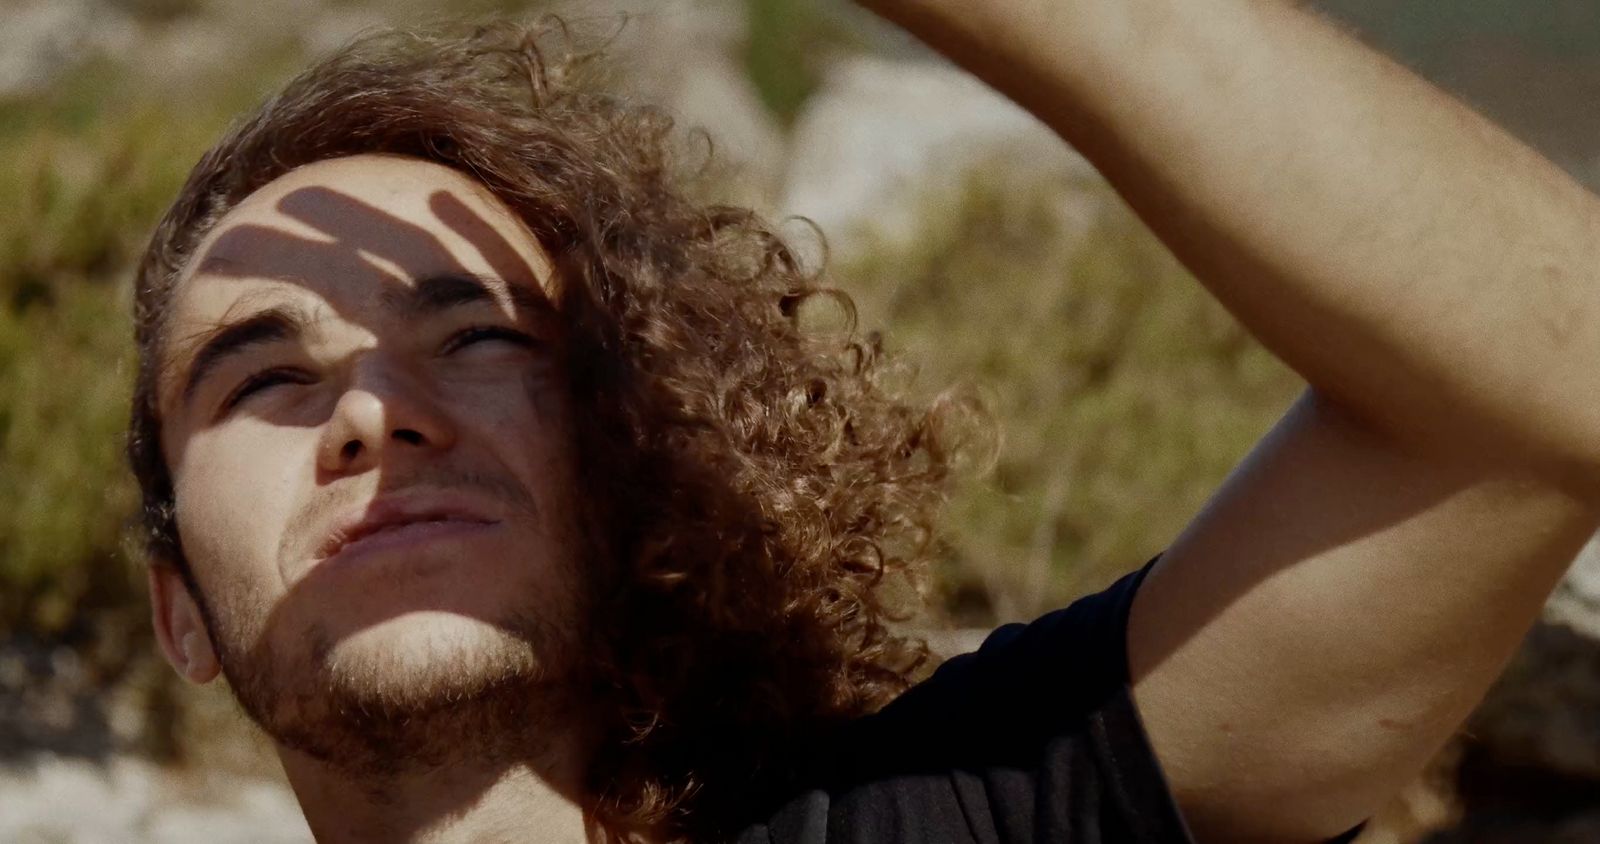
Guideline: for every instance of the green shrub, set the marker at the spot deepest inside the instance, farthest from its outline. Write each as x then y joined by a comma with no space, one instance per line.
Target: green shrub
83,188
63,493
784,49
1123,391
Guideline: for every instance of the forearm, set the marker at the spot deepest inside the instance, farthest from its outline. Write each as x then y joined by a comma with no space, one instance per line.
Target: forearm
1418,266
1323,627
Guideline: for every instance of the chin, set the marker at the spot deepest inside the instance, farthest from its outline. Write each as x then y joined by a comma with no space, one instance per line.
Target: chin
359,666
412,690
416,657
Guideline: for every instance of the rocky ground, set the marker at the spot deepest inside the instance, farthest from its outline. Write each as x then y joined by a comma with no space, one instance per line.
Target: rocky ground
126,800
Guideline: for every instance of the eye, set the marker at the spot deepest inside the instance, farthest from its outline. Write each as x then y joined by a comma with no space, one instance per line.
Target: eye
264,380
486,333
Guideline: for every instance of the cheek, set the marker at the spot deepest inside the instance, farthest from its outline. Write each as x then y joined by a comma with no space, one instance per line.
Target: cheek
527,430
522,415
235,492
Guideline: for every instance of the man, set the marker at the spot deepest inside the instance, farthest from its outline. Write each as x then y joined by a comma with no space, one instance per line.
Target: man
501,484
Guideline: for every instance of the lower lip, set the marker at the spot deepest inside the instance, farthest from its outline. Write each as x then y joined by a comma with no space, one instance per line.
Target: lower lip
410,537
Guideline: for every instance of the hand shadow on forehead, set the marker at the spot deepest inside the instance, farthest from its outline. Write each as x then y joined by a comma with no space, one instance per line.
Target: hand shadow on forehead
364,247
357,226
496,251
355,230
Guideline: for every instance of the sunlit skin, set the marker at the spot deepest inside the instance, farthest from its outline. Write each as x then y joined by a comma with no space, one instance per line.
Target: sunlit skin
1339,607
375,384
1303,647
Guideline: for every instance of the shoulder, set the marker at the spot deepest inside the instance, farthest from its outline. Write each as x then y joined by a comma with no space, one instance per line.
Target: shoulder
1026,678
1033,737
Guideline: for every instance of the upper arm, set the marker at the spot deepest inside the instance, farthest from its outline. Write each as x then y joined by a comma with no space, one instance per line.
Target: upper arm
1329,619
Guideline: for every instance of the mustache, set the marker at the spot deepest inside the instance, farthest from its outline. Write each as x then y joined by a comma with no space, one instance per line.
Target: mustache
497,486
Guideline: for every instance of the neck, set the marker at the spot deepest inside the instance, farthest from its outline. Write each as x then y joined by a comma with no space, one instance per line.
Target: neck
470,797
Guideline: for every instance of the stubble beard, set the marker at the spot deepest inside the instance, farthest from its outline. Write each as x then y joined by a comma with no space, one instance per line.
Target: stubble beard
404,700
494,697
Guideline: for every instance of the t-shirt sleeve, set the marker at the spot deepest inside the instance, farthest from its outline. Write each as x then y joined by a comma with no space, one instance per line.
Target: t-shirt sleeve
1056,696
1036,732
1032,738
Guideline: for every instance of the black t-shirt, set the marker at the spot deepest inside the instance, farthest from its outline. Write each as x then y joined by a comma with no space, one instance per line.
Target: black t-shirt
1033,738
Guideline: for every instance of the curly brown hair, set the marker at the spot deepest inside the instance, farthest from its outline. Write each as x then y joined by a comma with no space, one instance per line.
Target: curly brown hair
758,483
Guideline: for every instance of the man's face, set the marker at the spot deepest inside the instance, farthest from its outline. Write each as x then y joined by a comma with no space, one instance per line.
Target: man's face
367,427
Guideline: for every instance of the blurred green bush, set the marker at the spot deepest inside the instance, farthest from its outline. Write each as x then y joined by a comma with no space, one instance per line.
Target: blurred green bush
85,177
784,52
1124,392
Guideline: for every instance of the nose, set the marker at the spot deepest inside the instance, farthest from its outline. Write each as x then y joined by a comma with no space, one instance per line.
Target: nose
381,410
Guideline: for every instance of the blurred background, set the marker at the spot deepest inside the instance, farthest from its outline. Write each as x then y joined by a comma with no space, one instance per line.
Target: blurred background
985,252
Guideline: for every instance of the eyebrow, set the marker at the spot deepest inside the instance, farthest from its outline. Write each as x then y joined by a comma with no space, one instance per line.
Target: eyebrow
272,325
436,293
430,296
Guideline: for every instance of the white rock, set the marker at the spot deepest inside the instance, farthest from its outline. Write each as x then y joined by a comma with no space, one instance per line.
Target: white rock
40,39
882,136
1542,712
256,812
129,801
683,55
954,642
1576,602
76,801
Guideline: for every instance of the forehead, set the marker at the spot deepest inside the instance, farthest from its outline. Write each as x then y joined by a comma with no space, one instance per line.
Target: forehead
401,216
334,235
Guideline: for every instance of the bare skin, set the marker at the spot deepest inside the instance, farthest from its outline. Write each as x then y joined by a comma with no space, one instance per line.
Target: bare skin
1331,617
1311,639
381,401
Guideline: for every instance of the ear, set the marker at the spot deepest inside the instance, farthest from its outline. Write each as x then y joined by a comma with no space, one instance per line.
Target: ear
180,626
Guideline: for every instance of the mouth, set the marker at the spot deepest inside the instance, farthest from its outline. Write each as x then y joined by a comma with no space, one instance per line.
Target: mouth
390,526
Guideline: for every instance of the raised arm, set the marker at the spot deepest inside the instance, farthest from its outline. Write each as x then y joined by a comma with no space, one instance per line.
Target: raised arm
1339,607
1410,259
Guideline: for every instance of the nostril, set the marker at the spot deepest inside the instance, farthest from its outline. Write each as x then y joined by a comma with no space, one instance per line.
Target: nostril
408,436
350,450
